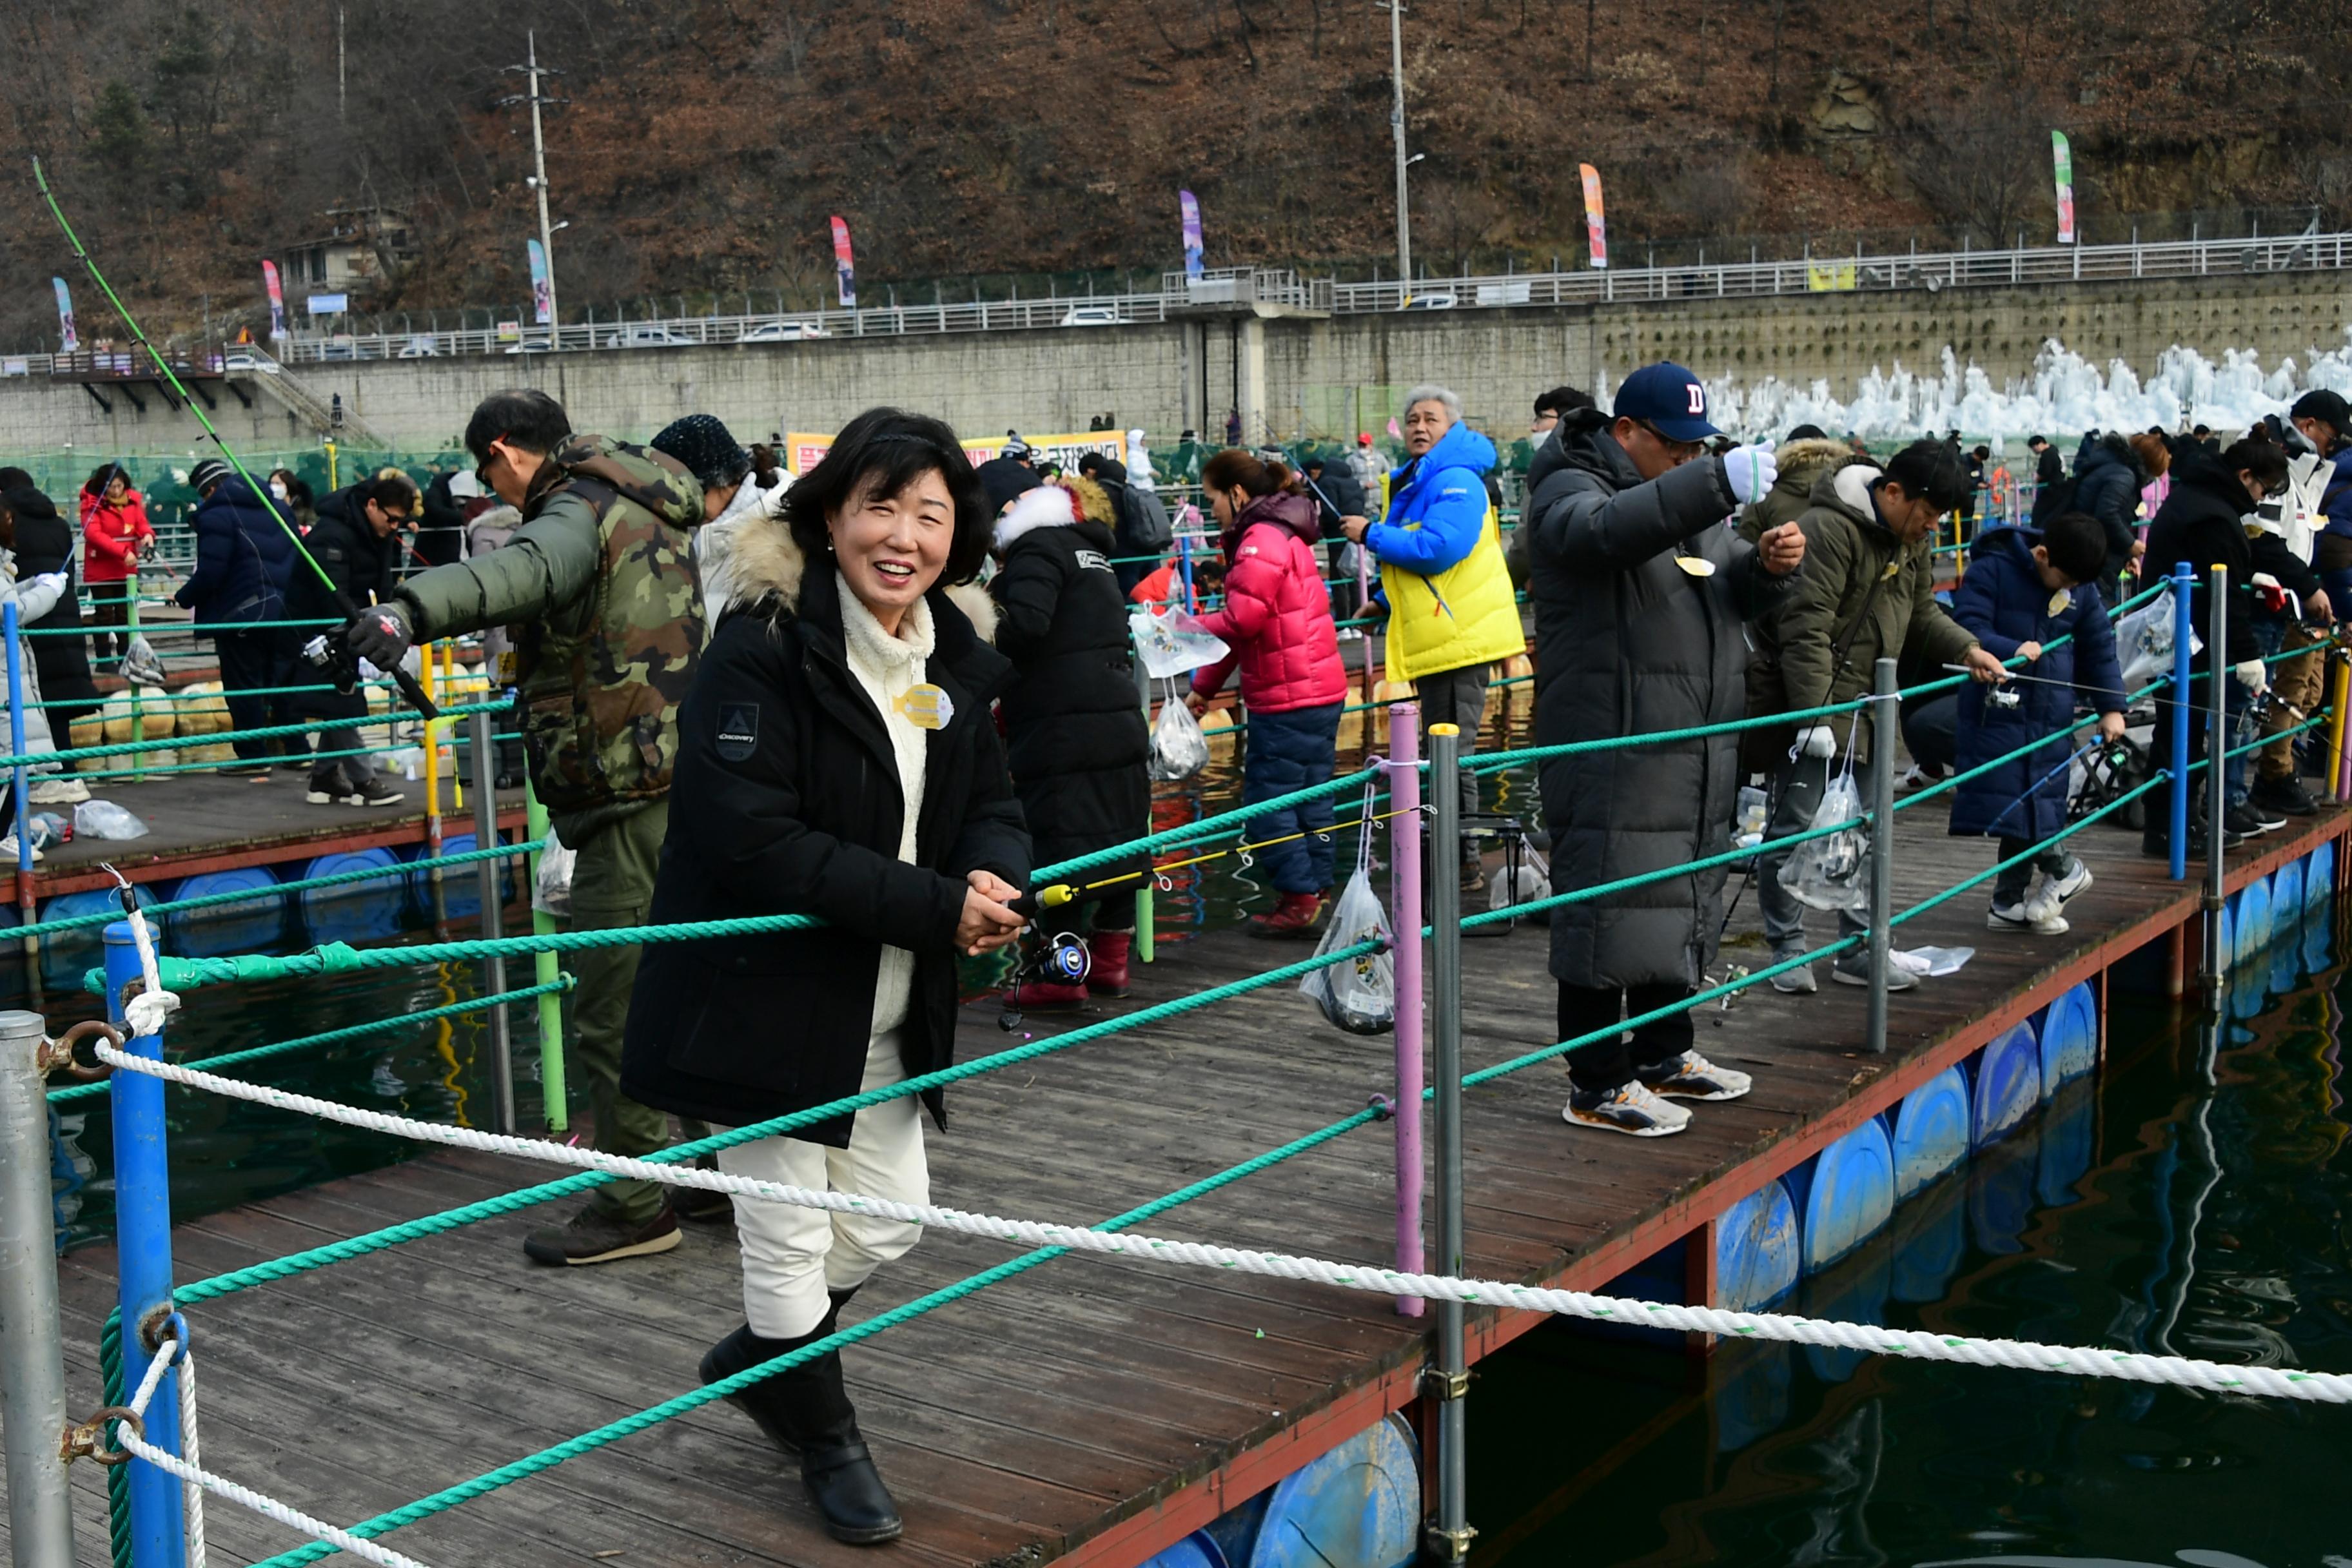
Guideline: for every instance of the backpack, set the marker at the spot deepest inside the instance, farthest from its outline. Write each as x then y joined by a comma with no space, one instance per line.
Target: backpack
1147,528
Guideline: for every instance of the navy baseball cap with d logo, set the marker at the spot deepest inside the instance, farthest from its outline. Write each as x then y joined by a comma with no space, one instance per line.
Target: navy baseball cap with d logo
1669,398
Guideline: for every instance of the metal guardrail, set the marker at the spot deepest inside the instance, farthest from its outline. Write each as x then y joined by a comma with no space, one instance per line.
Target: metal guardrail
1227,288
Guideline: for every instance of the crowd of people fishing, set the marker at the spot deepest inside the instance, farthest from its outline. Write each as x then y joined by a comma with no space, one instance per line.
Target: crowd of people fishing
884,692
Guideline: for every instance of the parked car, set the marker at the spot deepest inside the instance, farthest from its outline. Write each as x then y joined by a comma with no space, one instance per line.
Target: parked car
423,345
338,347
782,332
1091,316
529,343
1429,302
248,362
645,335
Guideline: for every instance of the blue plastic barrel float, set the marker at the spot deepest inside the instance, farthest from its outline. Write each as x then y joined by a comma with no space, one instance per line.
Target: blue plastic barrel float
1198,1549
1358,1506
1929,1130
2001,1186
65,954
1926,1242
248,925
1757,1250
1856,1293
2228,937
2287,898
2250,986
2319,926
1750,1390
2250,919
461,886
2069,1126
355,912
2069,1030
2004,1083
2319,873
1842,1196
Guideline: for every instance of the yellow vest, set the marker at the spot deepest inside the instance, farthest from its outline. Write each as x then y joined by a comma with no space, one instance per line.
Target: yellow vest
1465,615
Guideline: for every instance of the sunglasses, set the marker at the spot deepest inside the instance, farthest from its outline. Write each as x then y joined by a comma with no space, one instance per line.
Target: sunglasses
1680,451
482,468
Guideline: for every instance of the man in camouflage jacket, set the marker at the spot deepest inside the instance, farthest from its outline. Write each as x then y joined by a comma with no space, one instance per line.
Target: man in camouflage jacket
599,585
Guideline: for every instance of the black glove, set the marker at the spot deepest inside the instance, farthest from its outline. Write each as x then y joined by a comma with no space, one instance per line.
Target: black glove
382,635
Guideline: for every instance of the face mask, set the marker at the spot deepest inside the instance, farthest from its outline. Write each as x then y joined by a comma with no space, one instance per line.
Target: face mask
278,488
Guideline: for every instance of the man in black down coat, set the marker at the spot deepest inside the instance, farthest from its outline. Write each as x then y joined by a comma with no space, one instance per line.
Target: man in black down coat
2201,523
1639,594
355,542
2108,481
1073,728
45,542
244,561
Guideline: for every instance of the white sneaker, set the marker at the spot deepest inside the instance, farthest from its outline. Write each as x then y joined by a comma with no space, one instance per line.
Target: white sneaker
2036,912
1691,1076
2073,881
8,852
1629,1108
59,792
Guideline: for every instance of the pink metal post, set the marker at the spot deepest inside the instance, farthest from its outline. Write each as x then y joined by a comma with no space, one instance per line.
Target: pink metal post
1404,914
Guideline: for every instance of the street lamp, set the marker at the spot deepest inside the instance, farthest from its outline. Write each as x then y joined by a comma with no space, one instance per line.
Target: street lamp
1396,124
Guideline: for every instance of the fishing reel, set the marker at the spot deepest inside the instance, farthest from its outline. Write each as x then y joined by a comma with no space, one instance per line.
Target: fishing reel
1060,958
333,658
2007,698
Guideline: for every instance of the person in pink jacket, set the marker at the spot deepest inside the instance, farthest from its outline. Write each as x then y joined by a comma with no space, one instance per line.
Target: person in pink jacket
114,532
1276,618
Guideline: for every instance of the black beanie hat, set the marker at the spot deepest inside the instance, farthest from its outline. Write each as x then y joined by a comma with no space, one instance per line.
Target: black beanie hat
707,447
2327,408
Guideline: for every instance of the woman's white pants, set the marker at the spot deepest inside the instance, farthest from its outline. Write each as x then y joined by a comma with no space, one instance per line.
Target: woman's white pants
793,1255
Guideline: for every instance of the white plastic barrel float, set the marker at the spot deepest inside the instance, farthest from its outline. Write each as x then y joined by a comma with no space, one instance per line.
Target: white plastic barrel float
2319,873
2069,1031
248,925
65,954
461,886
2250,919
1842,1196
355,911
2286,897
1757,1250
1927,1130
2004,1083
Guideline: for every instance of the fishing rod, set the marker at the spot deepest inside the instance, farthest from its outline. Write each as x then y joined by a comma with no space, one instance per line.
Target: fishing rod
2260,702
410,688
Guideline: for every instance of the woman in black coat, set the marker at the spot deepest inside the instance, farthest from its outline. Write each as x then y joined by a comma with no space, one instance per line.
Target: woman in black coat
836,758
45,542
1073,723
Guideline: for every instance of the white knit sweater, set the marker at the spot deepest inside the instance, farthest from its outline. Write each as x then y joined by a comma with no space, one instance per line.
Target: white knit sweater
886,667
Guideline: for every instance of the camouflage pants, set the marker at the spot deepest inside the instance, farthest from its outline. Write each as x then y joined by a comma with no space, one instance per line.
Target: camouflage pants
612,885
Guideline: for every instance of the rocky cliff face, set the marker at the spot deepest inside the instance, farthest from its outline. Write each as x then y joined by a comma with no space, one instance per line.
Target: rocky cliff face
702,146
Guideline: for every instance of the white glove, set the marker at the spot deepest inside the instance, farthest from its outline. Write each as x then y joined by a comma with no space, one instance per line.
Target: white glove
50,580
2253,675
1749,471
1817,740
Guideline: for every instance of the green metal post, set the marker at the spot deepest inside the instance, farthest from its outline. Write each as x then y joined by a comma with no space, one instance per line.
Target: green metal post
543,969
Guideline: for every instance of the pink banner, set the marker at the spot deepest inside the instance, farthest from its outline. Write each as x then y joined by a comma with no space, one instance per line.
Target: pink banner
844,270
1595,228
277,300
1190,206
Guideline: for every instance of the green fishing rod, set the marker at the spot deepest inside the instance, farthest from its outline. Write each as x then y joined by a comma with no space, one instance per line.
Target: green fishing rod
410,688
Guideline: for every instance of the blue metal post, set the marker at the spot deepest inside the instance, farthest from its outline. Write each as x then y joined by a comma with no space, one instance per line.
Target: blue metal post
2183,628
20,784
142,1242
1184,566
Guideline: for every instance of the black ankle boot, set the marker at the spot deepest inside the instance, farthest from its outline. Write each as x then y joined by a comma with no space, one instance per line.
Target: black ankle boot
806,1411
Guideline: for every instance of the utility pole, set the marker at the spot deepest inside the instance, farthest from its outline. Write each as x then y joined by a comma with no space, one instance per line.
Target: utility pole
1396,123
343,78
532,72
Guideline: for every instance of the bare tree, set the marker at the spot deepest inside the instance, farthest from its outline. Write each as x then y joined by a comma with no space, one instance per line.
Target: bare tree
1980,159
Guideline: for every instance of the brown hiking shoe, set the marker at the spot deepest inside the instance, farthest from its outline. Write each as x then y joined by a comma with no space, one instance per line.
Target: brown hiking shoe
592,1235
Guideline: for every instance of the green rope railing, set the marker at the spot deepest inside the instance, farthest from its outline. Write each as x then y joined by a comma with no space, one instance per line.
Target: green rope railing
152,627
507,1203
265,732
335,1036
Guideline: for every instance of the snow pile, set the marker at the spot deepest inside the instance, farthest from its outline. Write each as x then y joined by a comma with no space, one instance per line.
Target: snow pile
2064,395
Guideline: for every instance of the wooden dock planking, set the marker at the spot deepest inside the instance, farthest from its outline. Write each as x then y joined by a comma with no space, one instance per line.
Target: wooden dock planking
1087,1408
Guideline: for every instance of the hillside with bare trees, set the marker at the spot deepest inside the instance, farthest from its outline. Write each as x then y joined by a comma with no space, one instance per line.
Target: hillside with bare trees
703,144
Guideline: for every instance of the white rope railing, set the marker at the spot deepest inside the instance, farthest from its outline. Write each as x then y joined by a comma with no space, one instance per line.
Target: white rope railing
192,1476
2327,1388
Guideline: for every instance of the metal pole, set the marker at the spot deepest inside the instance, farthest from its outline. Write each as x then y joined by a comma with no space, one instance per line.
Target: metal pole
32,1349
2216,744
2184,582
20,784
2341,767
493,876
1885,724
1396,124
1449,1539
552,1092
130,630
142,1246
539,164
1404,916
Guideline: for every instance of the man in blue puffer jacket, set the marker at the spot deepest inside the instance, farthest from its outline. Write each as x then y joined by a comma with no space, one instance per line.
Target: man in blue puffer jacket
245,557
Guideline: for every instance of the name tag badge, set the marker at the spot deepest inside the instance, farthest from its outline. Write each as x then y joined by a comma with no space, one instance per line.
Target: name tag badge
2060,600
1892,568
926,707
1695,565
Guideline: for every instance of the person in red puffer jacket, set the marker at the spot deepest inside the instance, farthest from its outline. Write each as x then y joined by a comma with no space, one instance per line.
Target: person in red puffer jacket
1277,620
114,532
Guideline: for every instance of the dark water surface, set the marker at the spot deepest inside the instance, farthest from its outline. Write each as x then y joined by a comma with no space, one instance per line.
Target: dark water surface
2191,1199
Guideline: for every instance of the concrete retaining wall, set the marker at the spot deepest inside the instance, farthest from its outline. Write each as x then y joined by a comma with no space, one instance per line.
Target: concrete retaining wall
1323,376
